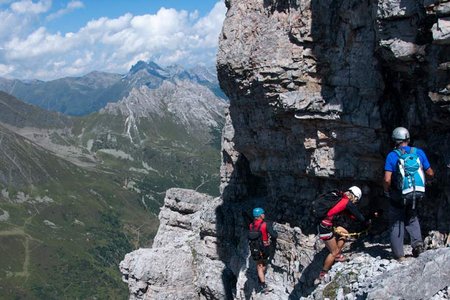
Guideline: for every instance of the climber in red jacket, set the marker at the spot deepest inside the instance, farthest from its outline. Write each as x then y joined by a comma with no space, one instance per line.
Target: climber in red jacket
334,244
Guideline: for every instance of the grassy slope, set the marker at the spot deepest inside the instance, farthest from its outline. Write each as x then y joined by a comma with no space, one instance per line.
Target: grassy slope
96,220
176,158
79,256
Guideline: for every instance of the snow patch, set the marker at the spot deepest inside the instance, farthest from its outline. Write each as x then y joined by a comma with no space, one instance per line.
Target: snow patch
148,168
78,222
143,171
117,153
89,144
50,224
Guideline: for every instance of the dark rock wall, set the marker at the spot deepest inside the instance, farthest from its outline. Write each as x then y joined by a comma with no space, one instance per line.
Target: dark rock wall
316,88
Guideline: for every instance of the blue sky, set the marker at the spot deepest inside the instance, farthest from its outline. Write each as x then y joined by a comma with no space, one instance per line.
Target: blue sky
49,39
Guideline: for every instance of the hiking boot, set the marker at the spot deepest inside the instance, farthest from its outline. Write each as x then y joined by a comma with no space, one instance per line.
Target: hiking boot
322,274
401,259
321,277
265,289
417,250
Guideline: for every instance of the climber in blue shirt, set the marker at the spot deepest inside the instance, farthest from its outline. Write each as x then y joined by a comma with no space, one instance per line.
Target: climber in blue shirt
392,159
402,210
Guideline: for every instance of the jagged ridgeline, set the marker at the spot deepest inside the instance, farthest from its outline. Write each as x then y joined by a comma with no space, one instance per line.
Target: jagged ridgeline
77,193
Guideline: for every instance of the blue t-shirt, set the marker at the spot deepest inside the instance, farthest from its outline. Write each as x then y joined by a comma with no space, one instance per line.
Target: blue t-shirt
392,158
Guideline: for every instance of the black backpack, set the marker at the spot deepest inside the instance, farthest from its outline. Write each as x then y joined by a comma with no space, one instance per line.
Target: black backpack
324,202
255,241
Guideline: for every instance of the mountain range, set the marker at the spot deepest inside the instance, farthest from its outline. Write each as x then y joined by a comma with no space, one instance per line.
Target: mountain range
78,96
84,166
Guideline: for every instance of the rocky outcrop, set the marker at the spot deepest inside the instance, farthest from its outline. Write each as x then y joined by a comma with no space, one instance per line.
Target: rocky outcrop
367,276
184,253
315,89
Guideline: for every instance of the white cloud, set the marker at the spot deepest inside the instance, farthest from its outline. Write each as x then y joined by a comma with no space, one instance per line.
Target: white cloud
210,26
13,24
75,5
71,6
29,7
114,45
39,43
5,69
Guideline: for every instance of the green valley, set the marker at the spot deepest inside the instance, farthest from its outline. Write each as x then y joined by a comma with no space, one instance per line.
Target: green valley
78,193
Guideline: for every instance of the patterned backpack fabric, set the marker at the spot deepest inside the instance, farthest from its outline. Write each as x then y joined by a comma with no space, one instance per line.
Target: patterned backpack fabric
410,175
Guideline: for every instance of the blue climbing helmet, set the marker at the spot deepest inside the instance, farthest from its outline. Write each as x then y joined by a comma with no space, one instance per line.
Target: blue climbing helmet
257,212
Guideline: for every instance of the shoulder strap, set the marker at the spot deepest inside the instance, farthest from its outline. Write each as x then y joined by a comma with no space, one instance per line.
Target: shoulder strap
260,224
412,150
398,152
259,227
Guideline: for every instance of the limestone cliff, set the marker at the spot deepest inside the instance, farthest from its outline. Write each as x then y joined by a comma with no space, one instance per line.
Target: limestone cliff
351,71
315,89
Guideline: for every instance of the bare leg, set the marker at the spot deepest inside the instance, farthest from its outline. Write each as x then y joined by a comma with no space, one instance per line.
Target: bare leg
341,237
261,268
332,246
340,244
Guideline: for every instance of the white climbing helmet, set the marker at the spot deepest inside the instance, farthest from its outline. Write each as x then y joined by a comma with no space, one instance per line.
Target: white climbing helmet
400,134
356,191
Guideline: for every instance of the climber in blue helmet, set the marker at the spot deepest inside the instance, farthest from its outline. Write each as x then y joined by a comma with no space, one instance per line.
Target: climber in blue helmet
259,236
258,211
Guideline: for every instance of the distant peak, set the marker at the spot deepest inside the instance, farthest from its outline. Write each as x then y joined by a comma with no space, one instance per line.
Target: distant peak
153,65
142,65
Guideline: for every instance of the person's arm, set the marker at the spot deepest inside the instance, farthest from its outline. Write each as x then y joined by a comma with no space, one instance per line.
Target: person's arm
425,163
338,207
265,236
389,167
430,172
265,230
353,209
387,181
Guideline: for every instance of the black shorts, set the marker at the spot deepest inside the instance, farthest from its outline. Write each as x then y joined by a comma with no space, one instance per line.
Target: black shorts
325,232
264,254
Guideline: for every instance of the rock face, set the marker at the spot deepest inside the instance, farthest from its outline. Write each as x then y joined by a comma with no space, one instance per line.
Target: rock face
368,276
315,89
184,253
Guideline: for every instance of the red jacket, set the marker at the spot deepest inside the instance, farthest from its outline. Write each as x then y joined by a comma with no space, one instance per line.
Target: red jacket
344,206
263,228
